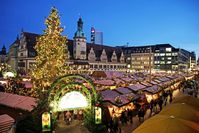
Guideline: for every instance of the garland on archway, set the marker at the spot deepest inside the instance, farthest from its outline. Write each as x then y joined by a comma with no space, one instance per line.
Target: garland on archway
65,84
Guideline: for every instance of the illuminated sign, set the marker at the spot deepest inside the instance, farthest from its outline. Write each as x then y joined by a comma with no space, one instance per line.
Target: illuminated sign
46,124
98,115
72,100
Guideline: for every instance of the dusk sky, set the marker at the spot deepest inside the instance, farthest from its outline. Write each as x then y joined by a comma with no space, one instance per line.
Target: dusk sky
137,22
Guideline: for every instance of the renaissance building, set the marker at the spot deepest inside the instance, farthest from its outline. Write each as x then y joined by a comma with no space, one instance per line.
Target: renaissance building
82,55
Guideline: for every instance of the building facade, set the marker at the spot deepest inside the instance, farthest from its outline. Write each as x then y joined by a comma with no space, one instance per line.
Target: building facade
13,54
193,62
164,58
92,56
81,55
183,60
26,51
139,58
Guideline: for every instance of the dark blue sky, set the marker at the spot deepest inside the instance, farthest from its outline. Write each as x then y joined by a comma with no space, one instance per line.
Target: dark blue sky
138,22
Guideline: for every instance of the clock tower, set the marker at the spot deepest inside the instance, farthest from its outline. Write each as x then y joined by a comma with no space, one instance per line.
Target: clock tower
79,43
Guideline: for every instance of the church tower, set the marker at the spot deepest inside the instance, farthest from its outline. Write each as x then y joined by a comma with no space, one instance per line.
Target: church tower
3,51
79,43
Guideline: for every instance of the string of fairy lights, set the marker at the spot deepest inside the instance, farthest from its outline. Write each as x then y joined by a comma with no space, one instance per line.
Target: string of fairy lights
51,53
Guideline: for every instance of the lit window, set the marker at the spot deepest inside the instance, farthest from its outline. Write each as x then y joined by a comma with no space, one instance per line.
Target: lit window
168,62
168,49
168,54
162,62
162,54
174,54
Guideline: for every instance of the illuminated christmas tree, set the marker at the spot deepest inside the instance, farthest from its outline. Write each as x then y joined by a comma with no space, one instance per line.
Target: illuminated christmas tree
51,53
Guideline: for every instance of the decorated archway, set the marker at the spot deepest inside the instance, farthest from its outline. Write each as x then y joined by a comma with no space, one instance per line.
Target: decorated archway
69,84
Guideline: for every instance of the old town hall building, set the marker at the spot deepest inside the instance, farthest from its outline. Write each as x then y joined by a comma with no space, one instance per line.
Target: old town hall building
82,55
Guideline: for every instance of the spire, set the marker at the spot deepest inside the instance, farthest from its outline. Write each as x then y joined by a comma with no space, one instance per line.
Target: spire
80,24
3,51
79,32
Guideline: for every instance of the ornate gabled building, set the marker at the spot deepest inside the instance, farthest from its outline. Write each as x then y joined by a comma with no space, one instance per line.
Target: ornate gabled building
82,55
26,51
13,54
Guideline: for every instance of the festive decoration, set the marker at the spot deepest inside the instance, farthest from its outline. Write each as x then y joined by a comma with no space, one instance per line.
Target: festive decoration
46,124
118,100
98,115
51,53
7,71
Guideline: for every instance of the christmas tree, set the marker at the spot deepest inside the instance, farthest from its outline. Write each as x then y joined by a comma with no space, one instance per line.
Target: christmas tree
51,53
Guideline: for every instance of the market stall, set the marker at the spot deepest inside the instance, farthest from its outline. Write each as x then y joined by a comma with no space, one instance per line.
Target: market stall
136,87
152,92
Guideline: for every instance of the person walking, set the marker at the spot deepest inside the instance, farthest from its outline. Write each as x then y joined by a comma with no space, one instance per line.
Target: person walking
140,114
160,102
155,106
151,106
171,96
130,115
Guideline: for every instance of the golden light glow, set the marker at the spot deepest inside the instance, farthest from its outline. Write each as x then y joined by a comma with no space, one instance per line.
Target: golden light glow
8,74
72,100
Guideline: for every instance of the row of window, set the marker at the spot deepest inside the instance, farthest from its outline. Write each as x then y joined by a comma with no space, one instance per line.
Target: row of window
162,62
165,54
107,66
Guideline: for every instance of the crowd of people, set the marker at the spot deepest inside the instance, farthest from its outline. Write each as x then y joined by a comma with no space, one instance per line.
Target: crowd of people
69,116
155,106
189,87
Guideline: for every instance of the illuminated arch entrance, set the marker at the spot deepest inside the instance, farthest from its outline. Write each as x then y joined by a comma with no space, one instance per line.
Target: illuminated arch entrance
74,100
64,89
73,86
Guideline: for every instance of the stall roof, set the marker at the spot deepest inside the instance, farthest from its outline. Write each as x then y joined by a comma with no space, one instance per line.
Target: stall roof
108,94
136,87
5,118
158,81
153,82
127,79
124,101
17,101
123,90
163,79
118,81
106,82
145,83
5,123
153,89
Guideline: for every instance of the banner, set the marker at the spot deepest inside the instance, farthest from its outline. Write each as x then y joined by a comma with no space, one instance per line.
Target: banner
98,115
46,122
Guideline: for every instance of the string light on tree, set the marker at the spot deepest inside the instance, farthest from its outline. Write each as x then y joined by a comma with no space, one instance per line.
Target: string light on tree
51,53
